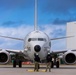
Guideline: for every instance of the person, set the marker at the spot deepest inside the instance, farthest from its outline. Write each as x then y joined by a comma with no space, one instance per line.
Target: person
49,60
37,60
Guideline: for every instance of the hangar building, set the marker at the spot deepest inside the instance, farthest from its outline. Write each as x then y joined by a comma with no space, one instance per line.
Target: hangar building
71,31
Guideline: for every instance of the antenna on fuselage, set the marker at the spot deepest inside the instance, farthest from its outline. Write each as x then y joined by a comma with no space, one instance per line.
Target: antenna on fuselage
35,17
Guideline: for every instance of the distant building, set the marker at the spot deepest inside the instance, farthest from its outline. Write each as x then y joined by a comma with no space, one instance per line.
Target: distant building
71,31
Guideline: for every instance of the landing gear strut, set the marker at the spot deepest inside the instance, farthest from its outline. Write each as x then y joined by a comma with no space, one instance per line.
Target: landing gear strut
16,62
55,62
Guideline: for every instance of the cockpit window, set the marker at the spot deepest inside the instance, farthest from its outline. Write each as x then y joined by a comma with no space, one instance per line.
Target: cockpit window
41,39
29,39
32,39
36,39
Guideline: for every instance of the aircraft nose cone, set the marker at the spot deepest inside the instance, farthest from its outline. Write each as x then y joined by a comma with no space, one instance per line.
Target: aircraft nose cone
37,48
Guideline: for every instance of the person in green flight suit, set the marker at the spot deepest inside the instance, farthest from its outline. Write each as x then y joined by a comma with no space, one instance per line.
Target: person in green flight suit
37,60
49,60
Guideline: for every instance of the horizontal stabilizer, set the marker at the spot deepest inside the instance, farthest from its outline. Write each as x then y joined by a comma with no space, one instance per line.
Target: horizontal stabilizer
61,38
12,38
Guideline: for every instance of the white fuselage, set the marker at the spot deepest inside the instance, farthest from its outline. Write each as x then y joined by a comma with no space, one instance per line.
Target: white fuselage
37,42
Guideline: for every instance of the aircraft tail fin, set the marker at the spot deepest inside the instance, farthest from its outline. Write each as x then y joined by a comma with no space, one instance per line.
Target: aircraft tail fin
35,16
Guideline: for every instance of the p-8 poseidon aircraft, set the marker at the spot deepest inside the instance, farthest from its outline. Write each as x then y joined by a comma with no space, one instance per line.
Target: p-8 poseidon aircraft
36,42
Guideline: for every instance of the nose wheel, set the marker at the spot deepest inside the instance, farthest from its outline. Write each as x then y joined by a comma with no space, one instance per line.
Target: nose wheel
56,63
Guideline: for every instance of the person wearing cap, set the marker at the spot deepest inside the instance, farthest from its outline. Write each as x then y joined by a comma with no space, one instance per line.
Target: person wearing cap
37,60
49,60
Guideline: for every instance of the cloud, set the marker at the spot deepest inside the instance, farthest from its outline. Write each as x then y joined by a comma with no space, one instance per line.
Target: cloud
21,31
54,30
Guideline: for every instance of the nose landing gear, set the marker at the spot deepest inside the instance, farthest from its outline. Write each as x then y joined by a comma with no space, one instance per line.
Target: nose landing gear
55,62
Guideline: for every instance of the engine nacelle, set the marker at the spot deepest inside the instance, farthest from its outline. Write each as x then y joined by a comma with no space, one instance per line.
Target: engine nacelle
69,57
4,57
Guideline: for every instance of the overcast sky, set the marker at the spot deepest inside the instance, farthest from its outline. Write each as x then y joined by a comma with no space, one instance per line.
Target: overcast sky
17,20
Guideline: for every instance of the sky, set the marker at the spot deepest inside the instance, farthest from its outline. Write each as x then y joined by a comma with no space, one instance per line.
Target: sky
17,20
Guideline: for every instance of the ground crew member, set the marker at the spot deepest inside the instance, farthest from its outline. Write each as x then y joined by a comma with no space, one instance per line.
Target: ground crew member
49,60
37,60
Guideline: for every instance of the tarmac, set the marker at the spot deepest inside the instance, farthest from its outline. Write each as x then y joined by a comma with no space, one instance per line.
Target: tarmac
29,70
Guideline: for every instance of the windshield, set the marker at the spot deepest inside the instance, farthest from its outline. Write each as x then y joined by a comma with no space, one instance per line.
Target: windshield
41,39
32,39
36,39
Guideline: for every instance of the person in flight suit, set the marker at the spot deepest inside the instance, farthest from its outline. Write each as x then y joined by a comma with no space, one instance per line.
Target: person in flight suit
37,60
49,60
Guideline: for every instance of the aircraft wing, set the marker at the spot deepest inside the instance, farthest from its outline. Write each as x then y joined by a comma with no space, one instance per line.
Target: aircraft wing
56,51
17,52
13,51
61,51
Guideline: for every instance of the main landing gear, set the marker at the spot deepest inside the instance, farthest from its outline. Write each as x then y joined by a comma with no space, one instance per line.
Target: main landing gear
17,62
55,62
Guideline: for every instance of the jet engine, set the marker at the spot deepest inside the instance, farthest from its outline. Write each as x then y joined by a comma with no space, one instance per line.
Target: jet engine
69,57
4,57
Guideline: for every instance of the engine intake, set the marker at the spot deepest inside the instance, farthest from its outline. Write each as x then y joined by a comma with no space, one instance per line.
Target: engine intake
4,57
69,58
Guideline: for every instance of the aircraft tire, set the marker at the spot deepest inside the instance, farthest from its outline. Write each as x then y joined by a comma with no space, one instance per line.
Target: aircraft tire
52,64
57,64
14,63
20,64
